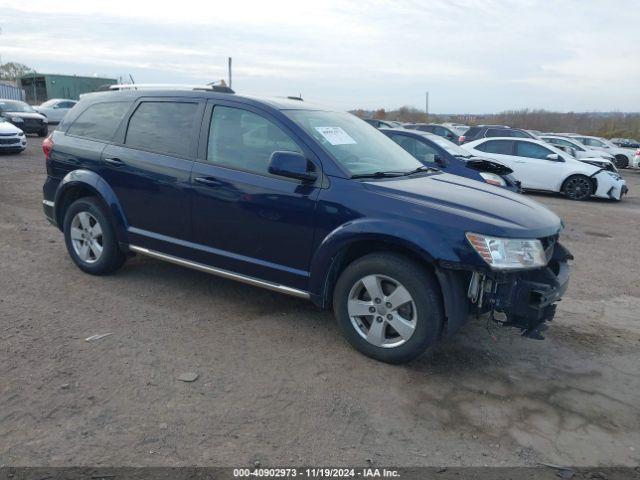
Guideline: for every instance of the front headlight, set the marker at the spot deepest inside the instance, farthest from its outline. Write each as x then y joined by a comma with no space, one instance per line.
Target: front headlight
508,253
614,175
493,179
17,119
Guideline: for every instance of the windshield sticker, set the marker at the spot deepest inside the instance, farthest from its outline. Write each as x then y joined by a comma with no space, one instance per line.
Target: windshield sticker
335,136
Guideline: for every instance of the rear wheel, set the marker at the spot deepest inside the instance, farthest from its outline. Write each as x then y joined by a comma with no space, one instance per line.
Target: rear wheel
578,187
90,237
621,161
388,307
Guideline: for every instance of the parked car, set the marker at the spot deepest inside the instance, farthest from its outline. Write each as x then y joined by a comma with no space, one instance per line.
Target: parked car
623,156
582,152
304,201
55,109
440,130
23,116
437,152
541,166
483,131
381,123
12,139
459,128
626,142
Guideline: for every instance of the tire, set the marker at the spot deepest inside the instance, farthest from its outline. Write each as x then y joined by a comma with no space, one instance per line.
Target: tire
44,132
83,239
421,319
577,187
621,161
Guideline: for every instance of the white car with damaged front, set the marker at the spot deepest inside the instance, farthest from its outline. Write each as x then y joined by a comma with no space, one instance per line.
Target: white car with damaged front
540,166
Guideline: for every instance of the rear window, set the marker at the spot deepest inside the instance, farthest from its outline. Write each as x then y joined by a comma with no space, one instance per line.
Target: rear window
163,127
472,132
99,121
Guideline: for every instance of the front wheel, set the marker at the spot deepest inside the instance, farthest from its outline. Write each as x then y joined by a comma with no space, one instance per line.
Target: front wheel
90,237
578,187
388,307
621,161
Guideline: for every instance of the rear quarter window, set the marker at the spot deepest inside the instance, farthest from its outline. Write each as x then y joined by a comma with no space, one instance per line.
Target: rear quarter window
99,121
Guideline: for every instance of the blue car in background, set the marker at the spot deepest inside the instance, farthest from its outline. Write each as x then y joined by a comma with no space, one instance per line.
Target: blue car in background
438,152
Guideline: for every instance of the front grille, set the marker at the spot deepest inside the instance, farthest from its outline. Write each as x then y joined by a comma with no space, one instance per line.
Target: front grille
9,141
32,122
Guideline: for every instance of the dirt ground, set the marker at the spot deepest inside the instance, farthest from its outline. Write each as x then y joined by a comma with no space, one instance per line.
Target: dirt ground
278,384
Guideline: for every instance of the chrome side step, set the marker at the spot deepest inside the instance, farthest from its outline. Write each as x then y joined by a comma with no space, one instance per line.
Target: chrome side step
220,272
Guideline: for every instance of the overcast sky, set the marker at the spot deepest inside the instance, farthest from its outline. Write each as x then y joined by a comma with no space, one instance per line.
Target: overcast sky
472,56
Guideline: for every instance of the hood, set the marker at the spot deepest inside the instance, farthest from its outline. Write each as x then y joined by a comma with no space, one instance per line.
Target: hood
37,115
484,165
7,128
473,205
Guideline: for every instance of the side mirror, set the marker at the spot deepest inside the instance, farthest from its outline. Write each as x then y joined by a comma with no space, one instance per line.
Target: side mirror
439,161
553,156
292,165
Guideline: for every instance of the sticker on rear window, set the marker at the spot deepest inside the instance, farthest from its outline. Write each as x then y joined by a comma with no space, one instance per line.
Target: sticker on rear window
336,136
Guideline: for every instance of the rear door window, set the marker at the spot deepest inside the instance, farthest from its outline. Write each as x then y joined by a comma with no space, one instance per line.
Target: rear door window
532,150
99,121
163,127
501,147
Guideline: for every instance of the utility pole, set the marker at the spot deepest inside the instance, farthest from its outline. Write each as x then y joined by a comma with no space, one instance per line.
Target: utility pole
229,72
426,110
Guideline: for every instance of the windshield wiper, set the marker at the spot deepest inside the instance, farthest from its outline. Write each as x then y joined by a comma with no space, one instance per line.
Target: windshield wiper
422,168
387,174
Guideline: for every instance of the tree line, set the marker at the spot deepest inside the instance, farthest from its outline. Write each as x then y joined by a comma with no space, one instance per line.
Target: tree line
601,124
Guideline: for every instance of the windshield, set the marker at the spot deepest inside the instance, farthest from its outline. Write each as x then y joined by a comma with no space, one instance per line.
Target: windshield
450,147
15,106
357,147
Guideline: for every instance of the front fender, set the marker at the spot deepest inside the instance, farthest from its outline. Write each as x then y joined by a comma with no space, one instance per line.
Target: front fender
364,230
89,180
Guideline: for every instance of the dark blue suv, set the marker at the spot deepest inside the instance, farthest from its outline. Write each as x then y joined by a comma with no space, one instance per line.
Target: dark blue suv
304,201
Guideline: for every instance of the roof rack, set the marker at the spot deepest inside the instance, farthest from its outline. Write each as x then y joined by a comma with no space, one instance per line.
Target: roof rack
170,86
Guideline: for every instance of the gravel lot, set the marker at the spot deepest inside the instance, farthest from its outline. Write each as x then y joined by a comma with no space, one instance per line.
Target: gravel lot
278,384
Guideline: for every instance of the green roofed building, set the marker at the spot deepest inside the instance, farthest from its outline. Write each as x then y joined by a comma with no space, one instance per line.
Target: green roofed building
40,87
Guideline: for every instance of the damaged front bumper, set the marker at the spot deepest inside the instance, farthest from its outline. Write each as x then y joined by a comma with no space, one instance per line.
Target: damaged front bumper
609,185
524,299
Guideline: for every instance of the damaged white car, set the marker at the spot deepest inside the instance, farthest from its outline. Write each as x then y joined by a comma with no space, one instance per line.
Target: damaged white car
540,166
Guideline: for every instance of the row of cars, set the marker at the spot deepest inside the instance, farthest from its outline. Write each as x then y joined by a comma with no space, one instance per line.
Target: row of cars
18,118
576,165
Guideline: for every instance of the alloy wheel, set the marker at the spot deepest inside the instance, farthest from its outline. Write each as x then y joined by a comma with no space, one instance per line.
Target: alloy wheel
382,311
86,237
578,188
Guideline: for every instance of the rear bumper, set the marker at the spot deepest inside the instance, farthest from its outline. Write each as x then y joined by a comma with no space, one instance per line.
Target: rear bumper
523,299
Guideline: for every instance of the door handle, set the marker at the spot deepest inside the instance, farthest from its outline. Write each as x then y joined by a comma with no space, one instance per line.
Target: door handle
116,162
210,181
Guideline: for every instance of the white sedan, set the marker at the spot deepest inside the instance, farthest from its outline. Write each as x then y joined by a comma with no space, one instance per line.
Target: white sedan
12,139
624,156
541,166
55,109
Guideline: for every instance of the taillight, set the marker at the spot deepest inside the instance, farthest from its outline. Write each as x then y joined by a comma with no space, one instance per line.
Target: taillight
47,146
461,139
638,152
